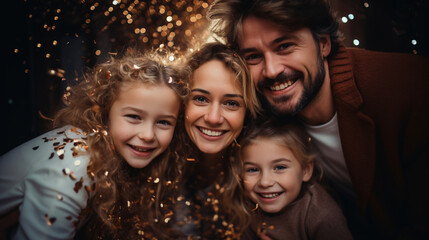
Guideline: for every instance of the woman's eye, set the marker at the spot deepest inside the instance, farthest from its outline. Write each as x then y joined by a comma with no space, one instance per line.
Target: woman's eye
200,99
232,104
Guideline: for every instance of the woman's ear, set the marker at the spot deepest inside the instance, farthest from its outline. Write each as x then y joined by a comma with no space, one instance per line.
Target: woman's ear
308,171
325,45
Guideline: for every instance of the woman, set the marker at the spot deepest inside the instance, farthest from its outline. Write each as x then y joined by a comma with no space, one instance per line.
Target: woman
221,98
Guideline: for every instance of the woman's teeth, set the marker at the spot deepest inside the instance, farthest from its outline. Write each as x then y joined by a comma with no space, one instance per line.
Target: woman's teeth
211,132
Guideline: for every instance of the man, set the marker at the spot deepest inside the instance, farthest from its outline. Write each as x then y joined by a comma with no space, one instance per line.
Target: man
366,111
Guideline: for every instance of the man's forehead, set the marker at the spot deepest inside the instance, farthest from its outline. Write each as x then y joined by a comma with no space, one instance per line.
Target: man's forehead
258,29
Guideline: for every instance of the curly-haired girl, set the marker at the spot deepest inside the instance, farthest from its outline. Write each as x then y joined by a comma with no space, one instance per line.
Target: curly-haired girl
111,156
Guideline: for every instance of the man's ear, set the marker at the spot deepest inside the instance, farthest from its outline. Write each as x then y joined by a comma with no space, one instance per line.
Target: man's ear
308,171
325,45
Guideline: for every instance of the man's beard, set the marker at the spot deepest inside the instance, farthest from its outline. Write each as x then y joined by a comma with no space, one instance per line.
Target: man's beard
311,88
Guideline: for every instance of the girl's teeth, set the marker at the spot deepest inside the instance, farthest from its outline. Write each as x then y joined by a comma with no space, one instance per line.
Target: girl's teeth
270,195
211,133
140,149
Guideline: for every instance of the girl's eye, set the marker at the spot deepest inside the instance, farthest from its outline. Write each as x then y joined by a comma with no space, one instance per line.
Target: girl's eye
133,117
165,123
252,170
280,167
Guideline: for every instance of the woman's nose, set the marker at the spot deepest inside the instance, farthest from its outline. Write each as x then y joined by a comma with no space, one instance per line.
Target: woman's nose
214,115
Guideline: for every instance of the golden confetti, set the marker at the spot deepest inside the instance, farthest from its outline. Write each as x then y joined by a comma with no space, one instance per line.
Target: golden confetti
44,117
49,220
72,176
66,171
77,163
96,108
78,185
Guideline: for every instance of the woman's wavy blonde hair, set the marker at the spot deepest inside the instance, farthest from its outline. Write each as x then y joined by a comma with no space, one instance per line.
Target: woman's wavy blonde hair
235,63
125,200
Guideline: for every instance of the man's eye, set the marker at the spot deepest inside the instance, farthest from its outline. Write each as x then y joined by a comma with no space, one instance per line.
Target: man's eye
253,58
284,46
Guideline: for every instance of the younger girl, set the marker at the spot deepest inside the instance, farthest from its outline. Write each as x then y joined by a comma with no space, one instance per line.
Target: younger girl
113,149
277,177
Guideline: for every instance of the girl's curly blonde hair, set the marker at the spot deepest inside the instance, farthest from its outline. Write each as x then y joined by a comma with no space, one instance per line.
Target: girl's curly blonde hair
125,200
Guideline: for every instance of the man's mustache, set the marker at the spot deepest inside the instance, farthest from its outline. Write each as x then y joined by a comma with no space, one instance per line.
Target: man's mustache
281,77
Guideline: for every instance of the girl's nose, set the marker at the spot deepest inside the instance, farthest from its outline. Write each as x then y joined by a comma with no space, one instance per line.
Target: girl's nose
266,180
146,132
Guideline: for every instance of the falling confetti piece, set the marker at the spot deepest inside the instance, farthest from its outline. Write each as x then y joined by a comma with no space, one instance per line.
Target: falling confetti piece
77,163
78,185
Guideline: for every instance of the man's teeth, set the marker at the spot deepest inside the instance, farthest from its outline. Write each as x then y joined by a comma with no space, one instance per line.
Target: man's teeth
269,195
210,132
278,87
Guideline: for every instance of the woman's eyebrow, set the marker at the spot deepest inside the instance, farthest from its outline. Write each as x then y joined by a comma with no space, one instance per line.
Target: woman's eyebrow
228,95
232,95
200,90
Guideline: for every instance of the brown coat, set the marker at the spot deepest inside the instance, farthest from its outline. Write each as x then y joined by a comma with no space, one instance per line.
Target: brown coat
315,215
383,117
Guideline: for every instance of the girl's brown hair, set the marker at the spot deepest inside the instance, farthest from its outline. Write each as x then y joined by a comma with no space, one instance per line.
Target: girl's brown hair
124,200
289,134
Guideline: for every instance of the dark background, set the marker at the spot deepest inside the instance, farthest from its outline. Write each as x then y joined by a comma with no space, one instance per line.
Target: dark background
46,45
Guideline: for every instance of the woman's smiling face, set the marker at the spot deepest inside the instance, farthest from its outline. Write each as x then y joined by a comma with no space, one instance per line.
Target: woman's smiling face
215,110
